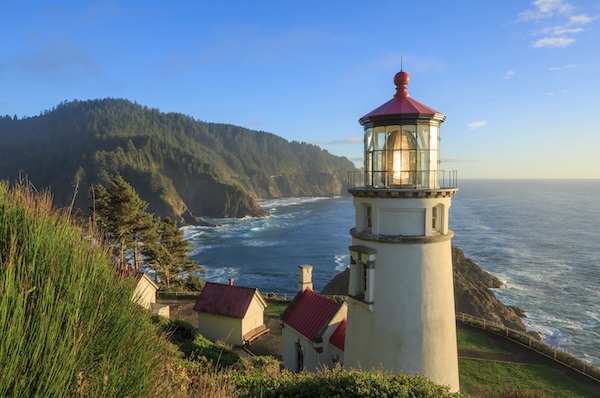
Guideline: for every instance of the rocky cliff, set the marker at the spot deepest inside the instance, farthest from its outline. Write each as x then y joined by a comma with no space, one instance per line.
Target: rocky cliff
472,294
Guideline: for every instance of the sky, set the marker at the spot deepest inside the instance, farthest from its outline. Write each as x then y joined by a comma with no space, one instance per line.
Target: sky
518,80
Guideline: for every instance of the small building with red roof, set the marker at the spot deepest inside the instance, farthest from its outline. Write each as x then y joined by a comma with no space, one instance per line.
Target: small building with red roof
145,290
233,314
308,325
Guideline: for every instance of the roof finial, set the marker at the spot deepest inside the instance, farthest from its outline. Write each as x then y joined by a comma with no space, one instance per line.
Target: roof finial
401,63
401,81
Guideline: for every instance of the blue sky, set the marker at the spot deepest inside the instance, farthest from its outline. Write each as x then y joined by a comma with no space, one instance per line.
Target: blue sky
519,81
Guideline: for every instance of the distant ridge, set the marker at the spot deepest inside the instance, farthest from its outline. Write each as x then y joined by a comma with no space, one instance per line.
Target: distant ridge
182,167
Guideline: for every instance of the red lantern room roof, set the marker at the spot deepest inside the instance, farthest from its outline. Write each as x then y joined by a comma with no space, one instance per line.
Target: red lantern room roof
401,106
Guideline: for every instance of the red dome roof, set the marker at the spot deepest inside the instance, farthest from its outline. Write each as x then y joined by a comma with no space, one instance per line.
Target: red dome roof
401,104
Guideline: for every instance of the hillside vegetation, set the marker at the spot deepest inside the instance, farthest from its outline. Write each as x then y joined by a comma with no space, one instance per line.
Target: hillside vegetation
180,166
67,322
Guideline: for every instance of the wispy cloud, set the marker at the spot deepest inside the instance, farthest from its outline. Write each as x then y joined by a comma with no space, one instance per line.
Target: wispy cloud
554,42
560,20
60,56
555,93
477,124
254,122
459,160
353,140
555,68
509,74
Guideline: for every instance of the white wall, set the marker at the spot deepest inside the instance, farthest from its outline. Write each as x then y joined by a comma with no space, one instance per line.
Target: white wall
216,327
411,327
254,316
289,337
144,293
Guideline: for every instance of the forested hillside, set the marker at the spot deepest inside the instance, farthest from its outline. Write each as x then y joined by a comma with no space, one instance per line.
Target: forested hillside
182,167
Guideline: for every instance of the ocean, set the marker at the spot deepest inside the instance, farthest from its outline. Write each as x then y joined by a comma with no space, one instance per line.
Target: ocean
537,236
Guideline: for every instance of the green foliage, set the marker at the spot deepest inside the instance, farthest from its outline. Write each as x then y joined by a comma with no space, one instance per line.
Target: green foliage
256,382
180,331
67,321
168,256
217,353
193,283
177,164
121,215
195,347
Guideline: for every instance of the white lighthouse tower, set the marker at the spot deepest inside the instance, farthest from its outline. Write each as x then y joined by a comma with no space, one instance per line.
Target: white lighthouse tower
401,297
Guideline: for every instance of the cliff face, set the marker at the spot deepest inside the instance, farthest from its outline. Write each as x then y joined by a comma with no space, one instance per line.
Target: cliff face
472,294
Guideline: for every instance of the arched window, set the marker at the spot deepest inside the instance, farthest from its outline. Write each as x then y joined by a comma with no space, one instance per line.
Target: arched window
402,156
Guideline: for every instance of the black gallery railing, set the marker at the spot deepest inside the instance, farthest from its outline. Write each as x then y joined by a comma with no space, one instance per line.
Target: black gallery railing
440,179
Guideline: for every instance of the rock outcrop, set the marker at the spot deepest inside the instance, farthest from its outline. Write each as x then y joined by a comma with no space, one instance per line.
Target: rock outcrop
472,294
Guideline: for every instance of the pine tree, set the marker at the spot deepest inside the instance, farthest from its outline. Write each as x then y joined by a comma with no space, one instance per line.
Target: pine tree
169,256
121,215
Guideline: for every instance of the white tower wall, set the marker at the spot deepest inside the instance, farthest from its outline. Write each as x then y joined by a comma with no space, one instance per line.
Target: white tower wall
402,317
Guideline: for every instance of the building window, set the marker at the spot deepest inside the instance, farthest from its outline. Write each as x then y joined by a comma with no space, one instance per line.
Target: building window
367,218
361,286
299,357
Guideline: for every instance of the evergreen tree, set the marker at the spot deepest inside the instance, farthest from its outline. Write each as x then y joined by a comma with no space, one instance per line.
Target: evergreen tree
169,256
121,215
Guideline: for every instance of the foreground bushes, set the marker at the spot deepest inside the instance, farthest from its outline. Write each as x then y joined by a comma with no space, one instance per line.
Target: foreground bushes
67,324
262,378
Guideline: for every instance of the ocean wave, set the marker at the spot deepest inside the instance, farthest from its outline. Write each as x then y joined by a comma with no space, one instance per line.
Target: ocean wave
276,203
340,261
220,274
258,243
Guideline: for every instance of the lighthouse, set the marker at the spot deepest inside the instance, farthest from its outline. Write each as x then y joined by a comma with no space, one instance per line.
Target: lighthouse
401,297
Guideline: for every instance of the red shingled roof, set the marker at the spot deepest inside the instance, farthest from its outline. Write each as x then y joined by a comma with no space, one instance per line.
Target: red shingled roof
225,300
339,336
309,312
401,106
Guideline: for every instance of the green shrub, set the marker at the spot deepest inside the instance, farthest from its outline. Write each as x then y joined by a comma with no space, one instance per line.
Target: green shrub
217,353
180,330
193,283
334,383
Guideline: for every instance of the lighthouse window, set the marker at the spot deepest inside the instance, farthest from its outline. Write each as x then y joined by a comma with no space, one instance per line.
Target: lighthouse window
435,218
363,284
367,218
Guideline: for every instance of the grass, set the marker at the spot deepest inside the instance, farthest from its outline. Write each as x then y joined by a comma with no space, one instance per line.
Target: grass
67,321
275,308
491,378
475,341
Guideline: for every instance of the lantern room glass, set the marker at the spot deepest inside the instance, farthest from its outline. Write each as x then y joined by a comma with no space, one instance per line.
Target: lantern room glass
402,156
